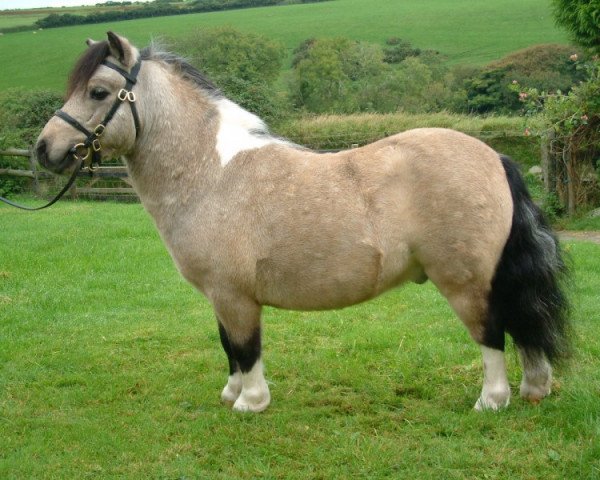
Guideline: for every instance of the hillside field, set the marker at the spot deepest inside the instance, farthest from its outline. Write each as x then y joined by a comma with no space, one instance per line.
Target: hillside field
464,31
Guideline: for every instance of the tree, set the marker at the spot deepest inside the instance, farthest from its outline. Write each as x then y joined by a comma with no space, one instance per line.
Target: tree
225,51
396,50
243,65
581,18
329,74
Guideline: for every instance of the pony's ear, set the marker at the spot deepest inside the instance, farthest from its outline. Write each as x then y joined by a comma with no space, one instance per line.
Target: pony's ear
89,42
121,49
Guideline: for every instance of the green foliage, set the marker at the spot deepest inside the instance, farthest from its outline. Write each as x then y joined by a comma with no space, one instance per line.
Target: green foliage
344,76
329,72
396,50
225,51
243,65
545,67
487,93
23,113
571,123
581,18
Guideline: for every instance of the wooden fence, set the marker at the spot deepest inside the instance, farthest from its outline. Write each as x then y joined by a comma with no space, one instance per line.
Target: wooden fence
89,183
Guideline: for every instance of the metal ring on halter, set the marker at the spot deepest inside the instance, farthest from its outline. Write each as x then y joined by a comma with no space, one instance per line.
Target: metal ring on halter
76,153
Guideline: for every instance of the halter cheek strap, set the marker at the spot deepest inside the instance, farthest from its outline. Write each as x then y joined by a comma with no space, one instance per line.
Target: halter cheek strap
89,150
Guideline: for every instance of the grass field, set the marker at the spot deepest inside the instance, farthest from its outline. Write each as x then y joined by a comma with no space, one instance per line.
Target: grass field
23,17
18,20
465,31
110,367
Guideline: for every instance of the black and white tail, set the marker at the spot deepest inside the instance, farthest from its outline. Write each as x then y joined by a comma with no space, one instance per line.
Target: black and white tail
527,298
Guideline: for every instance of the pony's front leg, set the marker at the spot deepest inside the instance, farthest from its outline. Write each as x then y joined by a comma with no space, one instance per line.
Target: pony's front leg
233,388
239,328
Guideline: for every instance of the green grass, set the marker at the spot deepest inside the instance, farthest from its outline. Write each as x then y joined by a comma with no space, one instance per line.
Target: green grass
24,17
110,367
581,222
18,20
465,31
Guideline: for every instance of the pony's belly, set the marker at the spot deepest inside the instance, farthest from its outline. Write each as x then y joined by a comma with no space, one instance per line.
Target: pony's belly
318,281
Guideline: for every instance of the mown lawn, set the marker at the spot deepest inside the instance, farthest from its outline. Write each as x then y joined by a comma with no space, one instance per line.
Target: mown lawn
465,31
110,367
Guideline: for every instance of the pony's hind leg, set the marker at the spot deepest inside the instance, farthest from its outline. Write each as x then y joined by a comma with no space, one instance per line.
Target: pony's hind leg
537,375
239,328
495,393
471,305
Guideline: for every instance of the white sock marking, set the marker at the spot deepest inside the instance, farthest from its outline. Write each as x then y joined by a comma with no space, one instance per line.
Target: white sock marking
255,396
232,390
496,392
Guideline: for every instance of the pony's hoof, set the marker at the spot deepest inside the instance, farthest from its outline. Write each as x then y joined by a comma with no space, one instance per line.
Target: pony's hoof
534,393
230,395
232,390
254,402
493,401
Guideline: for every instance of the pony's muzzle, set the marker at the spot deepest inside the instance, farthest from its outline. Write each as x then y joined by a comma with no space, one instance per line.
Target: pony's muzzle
41,153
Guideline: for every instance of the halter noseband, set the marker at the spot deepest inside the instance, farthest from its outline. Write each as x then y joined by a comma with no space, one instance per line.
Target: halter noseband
88,152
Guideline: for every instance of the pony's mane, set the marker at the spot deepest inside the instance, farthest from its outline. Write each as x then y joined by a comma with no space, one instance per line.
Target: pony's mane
182,67
87,65
93,57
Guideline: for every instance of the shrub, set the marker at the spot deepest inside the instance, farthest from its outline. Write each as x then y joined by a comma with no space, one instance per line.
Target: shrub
243,65
327,72
581,18
545,67
396,50
344,76
22,115
571,124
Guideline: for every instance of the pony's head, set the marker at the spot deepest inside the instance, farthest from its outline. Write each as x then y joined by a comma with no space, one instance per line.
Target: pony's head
92,122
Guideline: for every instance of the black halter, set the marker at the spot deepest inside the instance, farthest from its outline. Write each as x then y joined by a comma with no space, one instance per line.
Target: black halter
87,153
89,150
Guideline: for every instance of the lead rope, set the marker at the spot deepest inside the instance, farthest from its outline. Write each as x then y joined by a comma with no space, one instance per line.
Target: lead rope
55,199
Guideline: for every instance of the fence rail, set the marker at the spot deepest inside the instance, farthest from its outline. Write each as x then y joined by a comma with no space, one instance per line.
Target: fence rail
87,179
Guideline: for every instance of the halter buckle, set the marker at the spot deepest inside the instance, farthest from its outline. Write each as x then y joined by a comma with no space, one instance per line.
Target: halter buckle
99,130
126,95
96,145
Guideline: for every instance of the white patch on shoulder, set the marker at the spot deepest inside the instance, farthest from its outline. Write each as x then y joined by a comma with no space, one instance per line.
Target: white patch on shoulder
239,130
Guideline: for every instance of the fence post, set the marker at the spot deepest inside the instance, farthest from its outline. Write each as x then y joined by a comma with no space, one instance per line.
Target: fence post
571,196
548,162
33,168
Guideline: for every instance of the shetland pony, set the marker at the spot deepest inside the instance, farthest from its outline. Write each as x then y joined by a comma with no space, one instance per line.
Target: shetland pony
253,220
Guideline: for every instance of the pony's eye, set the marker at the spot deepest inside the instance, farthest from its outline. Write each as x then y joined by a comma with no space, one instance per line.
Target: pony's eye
99,93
